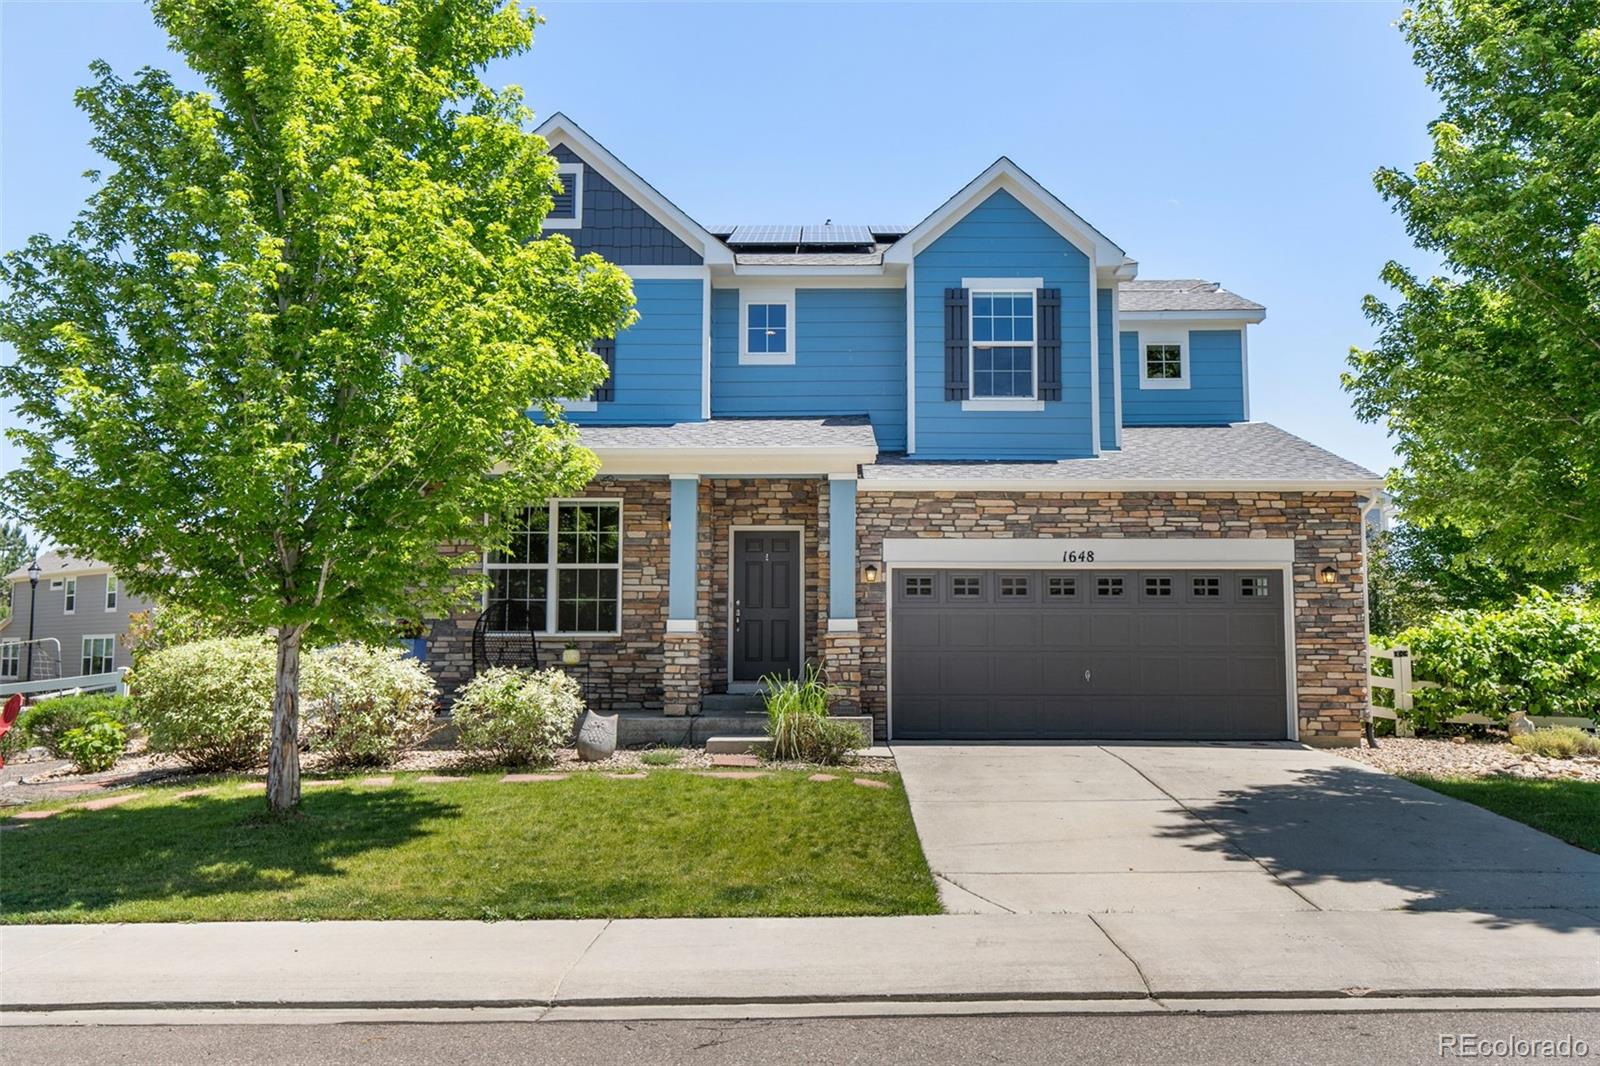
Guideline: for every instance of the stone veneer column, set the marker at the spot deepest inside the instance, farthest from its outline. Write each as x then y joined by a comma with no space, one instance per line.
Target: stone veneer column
683,650
841,643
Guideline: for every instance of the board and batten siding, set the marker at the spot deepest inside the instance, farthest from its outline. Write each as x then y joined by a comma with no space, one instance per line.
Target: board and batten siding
618,228
1215,395
850,359
1106,336
658,360
1002,238
90,619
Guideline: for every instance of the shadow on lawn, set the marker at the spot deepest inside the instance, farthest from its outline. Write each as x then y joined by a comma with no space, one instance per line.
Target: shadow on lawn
1349,838
200,846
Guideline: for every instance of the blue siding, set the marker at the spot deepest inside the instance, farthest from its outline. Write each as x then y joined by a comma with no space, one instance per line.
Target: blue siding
850,359
1215,395
658,358
1108,369
1002,238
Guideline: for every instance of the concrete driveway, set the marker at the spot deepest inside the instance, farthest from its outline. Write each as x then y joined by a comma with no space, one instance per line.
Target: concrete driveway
1218,828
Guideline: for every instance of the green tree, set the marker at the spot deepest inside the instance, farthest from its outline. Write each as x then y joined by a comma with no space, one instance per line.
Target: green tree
288,349
1415,573
1487,378
15,552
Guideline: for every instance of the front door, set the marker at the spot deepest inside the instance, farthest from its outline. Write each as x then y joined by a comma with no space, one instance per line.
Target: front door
766,604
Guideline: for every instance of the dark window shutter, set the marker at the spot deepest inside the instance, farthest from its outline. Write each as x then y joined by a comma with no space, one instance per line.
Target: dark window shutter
606,349
955,344
1048,309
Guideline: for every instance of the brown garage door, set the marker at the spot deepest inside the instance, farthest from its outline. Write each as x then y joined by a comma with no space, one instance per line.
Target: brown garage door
1146,654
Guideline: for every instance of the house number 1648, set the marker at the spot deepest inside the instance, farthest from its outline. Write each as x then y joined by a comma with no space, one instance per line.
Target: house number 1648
1077,557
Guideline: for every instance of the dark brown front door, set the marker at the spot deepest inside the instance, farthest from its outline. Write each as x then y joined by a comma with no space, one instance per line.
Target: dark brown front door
766,604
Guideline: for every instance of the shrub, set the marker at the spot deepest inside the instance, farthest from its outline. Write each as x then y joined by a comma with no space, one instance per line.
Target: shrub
363,704
517,718
169,625
798,722
1562,743
96,745
209,703
1541,655
48,721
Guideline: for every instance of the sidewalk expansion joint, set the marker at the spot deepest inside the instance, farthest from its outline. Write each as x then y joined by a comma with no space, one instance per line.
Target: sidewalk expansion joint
1149,991
555,993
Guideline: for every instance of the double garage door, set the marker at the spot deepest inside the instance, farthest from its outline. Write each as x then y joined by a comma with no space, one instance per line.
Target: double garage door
1138,654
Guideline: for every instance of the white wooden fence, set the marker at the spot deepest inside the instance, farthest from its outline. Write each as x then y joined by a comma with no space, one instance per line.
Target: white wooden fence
1404,686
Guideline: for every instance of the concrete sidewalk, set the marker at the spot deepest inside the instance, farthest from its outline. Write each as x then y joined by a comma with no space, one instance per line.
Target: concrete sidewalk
942,959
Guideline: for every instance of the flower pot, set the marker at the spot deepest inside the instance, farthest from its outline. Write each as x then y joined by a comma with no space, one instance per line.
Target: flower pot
569,656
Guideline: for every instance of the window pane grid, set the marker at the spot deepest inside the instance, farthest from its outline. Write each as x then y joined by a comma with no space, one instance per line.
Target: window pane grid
10,659
767,329
582,557
97,655
1002,345
1163,362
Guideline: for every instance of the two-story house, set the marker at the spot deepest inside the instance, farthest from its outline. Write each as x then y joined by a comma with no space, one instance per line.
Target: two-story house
77,616
993,482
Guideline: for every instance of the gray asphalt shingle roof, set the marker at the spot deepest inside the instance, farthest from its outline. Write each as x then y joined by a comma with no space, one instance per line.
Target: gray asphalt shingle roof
53,564
1180,294
809,258
835,431
1245,451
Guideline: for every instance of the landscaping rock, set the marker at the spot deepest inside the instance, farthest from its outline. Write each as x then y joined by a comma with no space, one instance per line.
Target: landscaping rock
102,804
33,816
870,783
190,793
438,779
822,777
628,777
1484,758
597,736
378,782
514,779
735,775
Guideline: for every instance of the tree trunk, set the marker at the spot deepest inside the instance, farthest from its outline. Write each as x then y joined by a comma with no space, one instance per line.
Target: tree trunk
283,762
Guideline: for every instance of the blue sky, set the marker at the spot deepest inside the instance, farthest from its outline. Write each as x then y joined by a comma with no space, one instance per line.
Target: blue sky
1233,142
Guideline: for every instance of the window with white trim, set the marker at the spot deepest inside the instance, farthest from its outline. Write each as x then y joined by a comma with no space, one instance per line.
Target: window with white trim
99,655
766,327
111,592
69,602
1163,358
11,659
1004,355
562,570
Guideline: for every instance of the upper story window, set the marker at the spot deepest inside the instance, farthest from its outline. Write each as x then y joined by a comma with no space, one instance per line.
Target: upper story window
766,327
1002,346
111,592
1163,359
11,658
69,601
568,210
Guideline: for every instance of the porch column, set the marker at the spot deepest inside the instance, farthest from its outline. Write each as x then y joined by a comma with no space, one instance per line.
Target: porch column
841,645
683,644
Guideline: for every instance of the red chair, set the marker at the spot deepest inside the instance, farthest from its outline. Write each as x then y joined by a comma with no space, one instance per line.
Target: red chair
8,718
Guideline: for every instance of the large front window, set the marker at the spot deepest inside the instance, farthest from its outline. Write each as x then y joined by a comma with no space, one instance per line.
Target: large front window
1002,345
562,571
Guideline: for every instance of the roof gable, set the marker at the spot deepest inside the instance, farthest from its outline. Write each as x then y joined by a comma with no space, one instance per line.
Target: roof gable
558,129
1005,175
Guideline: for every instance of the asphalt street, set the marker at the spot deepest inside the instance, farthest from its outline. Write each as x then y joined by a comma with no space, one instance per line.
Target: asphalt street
1391,1039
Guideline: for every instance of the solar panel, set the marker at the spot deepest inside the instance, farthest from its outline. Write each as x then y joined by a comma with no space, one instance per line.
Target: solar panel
721,231
888,230
765,235
836,235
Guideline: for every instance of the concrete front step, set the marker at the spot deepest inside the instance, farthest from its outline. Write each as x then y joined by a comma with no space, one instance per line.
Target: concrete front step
718,703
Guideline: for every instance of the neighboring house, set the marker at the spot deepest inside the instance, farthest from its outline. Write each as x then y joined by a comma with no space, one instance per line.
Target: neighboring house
994,483
81,617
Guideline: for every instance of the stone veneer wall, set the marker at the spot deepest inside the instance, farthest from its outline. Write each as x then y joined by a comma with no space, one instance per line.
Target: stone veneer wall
729,502
626,672
1330,620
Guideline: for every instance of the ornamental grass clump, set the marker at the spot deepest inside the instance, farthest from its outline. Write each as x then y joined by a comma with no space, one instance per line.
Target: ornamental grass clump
1562,743
798,722
516,717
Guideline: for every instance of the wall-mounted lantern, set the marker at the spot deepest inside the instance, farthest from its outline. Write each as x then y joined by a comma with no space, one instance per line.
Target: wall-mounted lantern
1328,576
869,574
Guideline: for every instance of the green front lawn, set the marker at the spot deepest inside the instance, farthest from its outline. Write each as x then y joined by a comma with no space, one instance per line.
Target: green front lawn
672,844
1569,810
